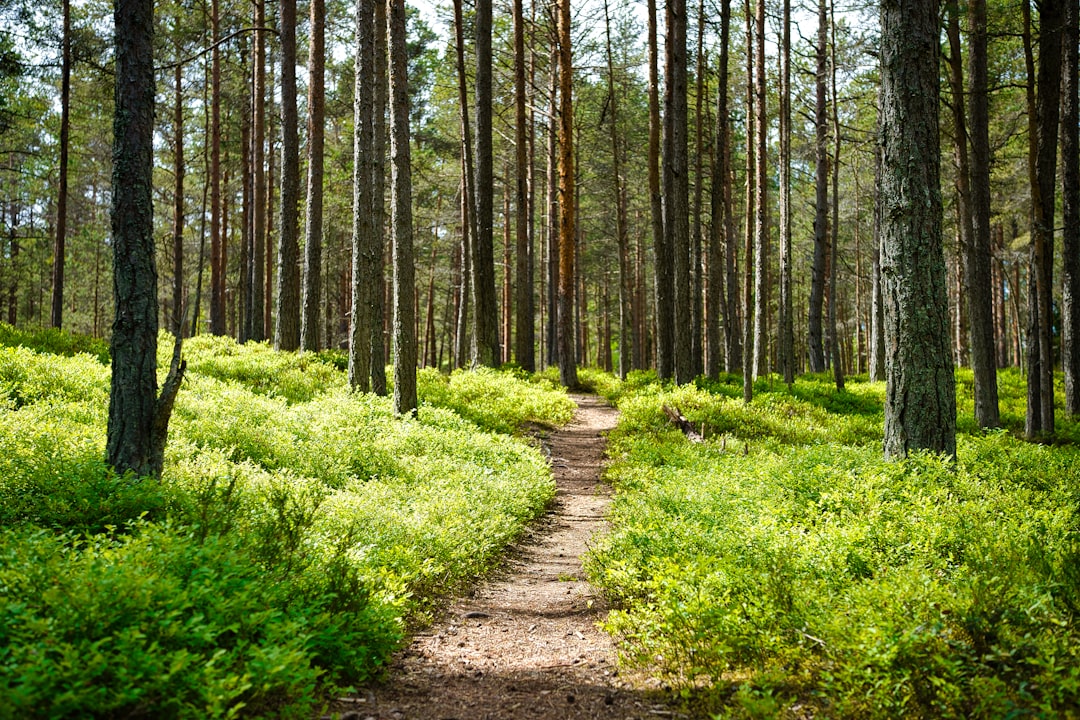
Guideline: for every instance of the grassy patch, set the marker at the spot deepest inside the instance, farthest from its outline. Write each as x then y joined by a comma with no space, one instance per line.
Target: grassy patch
297,531
783,564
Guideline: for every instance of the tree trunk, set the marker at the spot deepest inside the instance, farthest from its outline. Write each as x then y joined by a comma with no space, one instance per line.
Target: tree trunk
378,201
697,361
834,240
787,331
259,195
567,359
525,340
553,209
978,253
287,328
877,301
176,326
365,248
507,282
920,402
664,258
217,269
627,342
312,299
750,207
486,317
401,225
59,250
676,184
1070,196
720,239
821,199
761,212
138,418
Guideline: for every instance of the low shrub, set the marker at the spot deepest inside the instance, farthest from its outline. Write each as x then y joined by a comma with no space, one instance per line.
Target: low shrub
299,527
784,563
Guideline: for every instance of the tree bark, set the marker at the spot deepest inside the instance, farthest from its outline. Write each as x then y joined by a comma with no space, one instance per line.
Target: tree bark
834,239
664,260
377,208
786,348
365,248
138,417
1070,195
312,298
553,208
259,195
761,211
217,269
567,356
176,324
676,185
978,254
525,339
627,341
751,206
486,318
401,219
821,198
920,403
1042,158
59,249
287,328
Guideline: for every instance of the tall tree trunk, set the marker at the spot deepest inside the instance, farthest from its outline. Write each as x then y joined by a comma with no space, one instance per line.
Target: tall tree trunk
979,251
401,219
138,417
761,212
834,240
664,258
567,357
309,325
553,207
1070,197
507,282
676,184
750,207
377,208
721,241
259,194
485,319
217,269
468,210
287,328
365,248
1042,158
877,301
697,360
920,399
626,320
177,320
787,331
59,249
821,199
525,340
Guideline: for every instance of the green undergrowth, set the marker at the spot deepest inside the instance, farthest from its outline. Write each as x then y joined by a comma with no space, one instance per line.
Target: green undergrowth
298,531
782,567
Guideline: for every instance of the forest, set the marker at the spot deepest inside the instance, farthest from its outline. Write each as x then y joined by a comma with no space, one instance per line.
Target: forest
296,296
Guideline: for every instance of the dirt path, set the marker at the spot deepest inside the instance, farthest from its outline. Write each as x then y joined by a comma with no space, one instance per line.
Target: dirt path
526,644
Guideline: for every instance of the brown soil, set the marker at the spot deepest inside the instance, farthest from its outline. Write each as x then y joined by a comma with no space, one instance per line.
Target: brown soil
526,644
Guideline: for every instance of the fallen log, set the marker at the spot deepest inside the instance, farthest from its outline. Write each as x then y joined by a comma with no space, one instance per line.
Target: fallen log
683,424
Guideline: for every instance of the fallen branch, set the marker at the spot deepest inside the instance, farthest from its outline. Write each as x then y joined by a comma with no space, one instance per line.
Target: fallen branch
683,424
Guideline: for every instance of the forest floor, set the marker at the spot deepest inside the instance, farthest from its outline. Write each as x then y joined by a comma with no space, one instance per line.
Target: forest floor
526,643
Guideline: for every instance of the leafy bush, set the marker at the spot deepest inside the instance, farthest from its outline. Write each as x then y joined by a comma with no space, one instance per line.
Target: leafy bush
785,557
298,528
501,401
54,341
